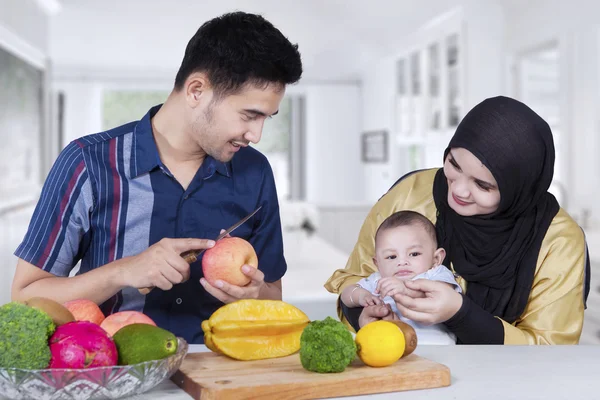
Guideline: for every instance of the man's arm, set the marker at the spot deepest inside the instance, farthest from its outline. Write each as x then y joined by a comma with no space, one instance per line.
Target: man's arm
97,285
161,265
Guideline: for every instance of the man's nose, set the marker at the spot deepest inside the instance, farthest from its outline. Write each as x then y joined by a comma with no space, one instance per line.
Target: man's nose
254,134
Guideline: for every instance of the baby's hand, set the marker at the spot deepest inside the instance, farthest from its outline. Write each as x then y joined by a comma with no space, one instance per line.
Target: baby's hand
390,286
367,299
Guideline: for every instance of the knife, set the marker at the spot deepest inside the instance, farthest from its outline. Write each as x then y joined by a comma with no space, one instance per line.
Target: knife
192,255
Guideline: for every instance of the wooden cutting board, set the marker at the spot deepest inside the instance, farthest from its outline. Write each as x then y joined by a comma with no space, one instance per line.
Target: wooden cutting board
213,376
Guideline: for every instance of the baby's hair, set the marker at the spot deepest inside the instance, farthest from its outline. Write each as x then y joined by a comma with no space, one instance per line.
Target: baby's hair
408,218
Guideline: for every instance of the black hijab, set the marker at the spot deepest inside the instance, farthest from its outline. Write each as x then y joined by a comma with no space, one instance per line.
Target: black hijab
497,253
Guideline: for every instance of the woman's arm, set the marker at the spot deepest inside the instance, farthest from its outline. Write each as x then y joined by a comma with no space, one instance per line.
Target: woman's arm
411,193
553,315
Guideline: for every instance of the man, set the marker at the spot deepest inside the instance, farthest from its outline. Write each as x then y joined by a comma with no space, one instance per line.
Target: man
127,202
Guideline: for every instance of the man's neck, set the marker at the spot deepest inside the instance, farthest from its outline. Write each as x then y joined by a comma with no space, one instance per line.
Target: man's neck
173,138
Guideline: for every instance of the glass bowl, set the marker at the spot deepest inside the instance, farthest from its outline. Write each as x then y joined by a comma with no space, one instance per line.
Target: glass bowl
92,383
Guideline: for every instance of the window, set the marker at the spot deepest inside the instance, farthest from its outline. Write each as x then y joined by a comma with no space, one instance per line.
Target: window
21,125
281,140
275,144
122,106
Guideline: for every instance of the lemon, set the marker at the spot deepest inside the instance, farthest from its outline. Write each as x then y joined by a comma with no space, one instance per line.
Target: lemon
380,343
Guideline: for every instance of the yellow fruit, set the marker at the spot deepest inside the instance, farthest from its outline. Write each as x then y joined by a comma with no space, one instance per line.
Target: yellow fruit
380,343
255,329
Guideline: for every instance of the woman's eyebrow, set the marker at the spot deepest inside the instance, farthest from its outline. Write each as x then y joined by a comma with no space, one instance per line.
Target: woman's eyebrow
453,160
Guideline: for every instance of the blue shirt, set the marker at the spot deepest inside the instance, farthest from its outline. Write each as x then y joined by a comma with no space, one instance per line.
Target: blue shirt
108,196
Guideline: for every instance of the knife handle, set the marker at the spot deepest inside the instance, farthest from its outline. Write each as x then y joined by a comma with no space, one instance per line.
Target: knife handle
190,256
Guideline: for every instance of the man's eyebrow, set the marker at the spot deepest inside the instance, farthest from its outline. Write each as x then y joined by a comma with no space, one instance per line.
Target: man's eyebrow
257,112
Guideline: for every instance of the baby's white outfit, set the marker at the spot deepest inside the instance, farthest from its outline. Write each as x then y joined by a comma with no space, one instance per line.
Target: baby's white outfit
433,334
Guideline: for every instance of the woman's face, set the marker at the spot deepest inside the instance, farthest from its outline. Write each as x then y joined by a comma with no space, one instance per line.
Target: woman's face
472,190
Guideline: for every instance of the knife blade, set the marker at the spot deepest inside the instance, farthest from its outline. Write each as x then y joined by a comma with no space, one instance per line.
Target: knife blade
192,255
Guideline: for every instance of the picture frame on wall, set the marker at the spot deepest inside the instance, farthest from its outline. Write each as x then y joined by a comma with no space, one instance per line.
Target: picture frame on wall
374,147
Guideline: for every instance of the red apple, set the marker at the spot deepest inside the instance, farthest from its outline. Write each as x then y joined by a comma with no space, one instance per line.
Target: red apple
116,321
225,259
85,310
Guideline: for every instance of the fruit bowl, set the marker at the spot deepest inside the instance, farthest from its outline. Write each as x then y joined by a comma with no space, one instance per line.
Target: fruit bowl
93,383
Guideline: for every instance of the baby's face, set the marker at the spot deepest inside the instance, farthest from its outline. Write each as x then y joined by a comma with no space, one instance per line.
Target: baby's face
404,252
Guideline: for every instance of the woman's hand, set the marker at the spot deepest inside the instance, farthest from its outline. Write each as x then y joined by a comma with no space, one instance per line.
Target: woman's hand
441,302
375,313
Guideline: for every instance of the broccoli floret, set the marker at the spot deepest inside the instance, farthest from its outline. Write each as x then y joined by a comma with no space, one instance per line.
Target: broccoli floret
24,333
326,346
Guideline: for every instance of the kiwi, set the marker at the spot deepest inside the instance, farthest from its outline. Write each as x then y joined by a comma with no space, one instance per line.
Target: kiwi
59,313
410,337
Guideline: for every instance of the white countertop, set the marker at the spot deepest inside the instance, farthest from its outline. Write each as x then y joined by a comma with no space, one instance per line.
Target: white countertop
486,372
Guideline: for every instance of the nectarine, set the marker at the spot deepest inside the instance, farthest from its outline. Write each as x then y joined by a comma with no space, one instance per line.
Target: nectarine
85,310
116,321
225,259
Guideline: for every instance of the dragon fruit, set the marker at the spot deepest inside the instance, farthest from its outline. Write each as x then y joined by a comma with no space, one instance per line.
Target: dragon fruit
82,344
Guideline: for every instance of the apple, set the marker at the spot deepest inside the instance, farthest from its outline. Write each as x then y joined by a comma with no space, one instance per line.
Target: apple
225,259
85,310
116,321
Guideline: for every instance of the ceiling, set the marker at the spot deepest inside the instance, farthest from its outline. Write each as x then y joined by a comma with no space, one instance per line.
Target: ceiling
337,38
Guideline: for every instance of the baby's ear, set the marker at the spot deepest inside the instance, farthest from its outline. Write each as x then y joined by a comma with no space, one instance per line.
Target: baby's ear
375,262
438,256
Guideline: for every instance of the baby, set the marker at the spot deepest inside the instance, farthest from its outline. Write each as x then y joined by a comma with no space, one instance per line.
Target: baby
405,248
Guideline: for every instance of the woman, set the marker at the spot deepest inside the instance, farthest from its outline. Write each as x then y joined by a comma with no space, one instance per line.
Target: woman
519,257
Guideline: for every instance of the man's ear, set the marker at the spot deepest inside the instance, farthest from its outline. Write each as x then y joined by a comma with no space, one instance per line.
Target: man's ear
438,256
197,87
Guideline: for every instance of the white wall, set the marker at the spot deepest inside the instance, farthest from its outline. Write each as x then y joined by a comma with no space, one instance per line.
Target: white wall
535,22
483,25
377,106
82,108
574,25
26,20
333,169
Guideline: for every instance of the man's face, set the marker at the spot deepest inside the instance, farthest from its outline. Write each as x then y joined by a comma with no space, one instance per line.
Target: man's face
226,124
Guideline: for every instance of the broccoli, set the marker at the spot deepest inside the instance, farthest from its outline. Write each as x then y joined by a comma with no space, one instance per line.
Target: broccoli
326,346
24,333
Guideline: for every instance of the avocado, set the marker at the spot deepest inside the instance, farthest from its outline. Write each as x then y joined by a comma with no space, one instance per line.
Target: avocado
138,343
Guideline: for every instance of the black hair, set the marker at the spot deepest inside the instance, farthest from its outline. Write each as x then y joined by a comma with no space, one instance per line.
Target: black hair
408,218
240,48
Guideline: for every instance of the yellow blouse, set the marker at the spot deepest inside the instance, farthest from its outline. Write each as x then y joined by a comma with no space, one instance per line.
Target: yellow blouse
554,313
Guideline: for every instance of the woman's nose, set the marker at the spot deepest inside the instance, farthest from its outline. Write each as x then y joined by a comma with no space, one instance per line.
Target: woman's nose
460,189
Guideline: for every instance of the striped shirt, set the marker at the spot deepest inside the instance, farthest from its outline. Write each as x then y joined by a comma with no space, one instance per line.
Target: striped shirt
109,196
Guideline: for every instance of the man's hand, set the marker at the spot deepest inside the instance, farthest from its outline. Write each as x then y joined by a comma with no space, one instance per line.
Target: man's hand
161,265
228,293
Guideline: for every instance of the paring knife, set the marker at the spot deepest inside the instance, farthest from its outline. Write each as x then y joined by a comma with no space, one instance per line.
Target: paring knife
192,255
